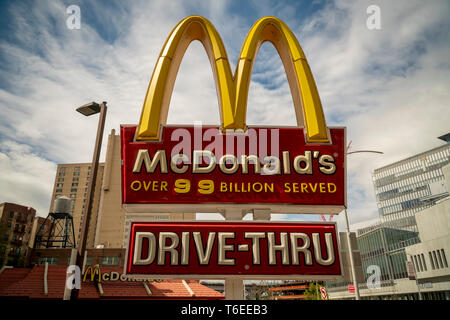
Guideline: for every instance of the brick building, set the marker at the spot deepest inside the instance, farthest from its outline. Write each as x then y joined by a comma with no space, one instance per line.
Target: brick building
41,226
16,223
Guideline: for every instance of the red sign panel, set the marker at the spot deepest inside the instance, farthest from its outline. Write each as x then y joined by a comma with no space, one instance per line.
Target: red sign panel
229,249
411,270
323,293
351,288
266,166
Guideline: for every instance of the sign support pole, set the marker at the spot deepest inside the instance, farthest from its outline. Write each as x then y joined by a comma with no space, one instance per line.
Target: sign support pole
352,261
234,288
73,259
261,215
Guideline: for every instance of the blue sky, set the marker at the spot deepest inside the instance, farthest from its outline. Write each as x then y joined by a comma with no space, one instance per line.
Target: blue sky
389,87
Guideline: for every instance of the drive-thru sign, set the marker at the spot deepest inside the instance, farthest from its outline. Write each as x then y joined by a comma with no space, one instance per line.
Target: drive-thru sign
222,249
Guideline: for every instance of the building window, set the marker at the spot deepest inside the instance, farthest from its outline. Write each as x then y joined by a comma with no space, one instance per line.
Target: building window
11,214
60,179
89,261
61,174
440,259
75,179
444,258
73,190
76,173
435,260
416,264
111,261
59,185
423,262
49,260
73,195
58,190
77,168
75,184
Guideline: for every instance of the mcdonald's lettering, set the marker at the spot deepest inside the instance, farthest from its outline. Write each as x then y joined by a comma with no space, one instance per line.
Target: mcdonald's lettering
301,164
95,274
208,168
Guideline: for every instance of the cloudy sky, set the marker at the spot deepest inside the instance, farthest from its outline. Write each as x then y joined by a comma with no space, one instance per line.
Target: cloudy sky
388,86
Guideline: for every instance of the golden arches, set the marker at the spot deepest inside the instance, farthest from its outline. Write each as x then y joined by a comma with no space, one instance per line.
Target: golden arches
232,90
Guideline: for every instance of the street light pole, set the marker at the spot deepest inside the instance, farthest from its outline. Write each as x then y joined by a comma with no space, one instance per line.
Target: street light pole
87,110
352,260
349,242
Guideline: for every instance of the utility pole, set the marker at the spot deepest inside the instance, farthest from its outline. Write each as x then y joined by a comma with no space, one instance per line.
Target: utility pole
87,110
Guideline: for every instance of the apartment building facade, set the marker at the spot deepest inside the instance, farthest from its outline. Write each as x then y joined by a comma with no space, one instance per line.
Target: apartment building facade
16,223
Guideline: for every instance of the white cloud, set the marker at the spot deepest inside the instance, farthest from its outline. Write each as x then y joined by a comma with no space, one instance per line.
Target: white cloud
25,175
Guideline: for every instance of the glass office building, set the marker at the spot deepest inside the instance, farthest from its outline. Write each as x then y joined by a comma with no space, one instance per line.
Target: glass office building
410,185
384,247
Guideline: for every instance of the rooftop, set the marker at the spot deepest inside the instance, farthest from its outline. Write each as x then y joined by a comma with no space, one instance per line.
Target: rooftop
414,157
28,283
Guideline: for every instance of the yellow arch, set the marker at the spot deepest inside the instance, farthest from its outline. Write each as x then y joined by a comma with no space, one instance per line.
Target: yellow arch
232,90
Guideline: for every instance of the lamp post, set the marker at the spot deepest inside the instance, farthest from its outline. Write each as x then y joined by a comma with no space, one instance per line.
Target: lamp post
349,243
88,110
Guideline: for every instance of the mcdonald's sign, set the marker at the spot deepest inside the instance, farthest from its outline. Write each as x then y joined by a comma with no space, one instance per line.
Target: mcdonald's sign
209,168
94,272
97,275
